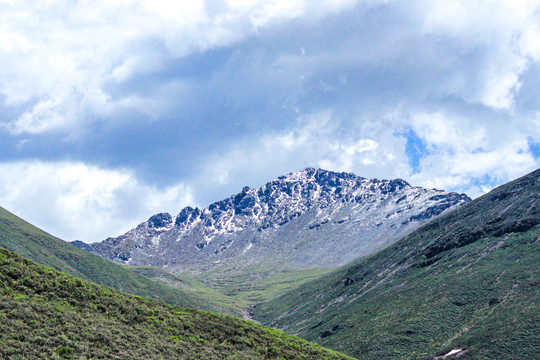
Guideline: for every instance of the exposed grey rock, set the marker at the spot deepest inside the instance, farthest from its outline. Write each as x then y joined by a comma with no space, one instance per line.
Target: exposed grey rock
311,218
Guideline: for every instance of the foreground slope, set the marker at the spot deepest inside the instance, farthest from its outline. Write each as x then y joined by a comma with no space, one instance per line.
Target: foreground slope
25,239
45,314
466,284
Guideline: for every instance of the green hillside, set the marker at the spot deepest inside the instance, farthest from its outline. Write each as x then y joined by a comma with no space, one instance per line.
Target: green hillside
465,285
28,241
46,314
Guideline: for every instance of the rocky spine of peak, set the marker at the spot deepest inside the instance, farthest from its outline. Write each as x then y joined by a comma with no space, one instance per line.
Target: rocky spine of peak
303,219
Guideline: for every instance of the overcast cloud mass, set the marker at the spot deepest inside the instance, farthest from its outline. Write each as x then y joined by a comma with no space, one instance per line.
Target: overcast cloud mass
111,111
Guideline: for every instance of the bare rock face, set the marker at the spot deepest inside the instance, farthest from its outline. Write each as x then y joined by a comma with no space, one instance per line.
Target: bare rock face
307,219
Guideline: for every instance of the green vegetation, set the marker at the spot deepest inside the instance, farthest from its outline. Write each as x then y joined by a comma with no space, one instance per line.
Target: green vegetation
245,287
235,288
158,274
28,241
191,285
465,285
227,291
45,314
468,280
255,284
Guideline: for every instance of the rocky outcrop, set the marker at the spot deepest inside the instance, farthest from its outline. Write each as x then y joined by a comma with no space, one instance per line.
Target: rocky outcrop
310,218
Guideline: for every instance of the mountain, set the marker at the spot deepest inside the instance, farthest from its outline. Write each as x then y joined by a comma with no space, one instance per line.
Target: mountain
46,314
26,240
261,243
308,219
467,285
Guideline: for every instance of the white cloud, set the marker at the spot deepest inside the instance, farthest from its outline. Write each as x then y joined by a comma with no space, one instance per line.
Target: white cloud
78,201
52,52
439,129
45,115
463,154
58,60
505,30
369,149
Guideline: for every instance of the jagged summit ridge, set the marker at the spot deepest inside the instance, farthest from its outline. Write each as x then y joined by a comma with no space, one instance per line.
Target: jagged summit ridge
305,210
275,202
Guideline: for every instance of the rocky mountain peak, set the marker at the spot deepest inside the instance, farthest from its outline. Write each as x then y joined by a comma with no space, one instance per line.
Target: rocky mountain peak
160,221
313,206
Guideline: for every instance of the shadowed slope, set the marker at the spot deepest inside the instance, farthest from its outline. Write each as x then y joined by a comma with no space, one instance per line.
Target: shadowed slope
466,282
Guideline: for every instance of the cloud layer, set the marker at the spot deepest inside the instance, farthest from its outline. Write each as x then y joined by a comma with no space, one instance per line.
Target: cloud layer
165,103
64,59
75,201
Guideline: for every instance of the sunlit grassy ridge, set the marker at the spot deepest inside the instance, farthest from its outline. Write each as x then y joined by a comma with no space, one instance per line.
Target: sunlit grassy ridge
45,314
28,241
469,281
232,295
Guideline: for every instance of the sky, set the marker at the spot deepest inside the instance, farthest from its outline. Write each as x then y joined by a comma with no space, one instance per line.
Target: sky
114,110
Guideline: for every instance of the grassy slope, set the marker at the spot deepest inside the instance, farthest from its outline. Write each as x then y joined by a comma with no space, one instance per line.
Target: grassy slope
467,280
233,295
26,240
45,314
247,287
190,284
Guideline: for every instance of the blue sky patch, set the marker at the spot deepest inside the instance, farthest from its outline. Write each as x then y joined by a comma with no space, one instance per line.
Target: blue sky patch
415,149
534,147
